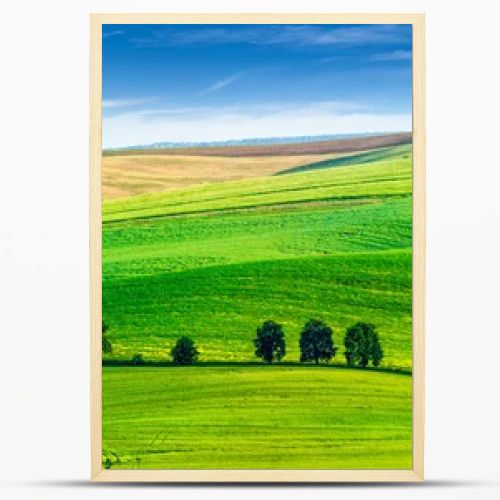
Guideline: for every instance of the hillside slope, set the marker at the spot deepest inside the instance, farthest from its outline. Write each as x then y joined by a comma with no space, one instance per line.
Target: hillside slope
216,260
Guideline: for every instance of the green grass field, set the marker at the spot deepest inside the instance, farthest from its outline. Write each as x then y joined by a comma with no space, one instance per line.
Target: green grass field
380,178
256,417
328,241
333,244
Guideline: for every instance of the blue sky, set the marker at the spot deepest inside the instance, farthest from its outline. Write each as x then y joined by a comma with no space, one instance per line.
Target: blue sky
221,82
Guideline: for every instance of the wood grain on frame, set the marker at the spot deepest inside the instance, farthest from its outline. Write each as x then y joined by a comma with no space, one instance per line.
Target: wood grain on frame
95,246
418,293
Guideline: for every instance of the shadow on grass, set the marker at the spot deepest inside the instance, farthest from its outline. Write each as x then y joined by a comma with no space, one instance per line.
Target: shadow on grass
241,364
356,159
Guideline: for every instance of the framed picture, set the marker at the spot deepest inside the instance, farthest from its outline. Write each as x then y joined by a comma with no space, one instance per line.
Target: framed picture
257,247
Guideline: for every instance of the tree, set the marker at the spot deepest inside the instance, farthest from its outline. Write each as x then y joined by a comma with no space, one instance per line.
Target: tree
137,359
270,342
316,342
362,345
106,343
377,351
184,352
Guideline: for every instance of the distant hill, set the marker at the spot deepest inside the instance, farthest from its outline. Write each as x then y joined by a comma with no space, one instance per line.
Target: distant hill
272,146
253,141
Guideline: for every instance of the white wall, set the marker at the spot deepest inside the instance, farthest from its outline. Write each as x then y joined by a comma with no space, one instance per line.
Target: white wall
44,444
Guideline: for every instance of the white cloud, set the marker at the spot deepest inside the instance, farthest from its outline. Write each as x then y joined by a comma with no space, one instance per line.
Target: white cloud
124,103
107,34
397,55
298,35
225,123
220,84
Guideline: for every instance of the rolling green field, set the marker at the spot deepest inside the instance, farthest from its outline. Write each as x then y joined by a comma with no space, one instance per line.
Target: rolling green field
329,240
256,417
382,177
333,244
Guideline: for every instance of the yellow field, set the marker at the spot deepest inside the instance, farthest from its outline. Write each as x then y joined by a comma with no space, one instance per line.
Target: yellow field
129,175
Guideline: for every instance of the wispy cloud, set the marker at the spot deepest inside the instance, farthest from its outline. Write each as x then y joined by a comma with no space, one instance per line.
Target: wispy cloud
240,122
397,55
125,103
332,59
107,34
220,84
298,35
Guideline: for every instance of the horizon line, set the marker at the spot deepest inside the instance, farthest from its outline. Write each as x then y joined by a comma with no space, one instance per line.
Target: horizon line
234,142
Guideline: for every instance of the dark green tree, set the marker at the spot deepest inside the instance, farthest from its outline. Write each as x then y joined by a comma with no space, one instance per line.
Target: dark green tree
184,352
137,359
270,342
106,343
362,345
316,342
377,351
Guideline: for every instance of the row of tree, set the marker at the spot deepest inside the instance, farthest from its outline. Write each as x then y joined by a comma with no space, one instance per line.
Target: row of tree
361,342
184,351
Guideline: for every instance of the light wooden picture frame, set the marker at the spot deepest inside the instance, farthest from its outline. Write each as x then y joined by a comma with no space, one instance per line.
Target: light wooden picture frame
416,472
